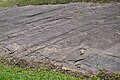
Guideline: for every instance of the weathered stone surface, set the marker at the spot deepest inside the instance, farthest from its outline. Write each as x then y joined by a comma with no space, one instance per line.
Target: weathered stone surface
77,36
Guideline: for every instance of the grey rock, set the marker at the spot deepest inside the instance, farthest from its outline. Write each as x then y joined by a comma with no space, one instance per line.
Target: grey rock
77,36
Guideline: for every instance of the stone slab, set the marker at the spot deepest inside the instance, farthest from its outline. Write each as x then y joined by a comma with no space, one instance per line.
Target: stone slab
77,36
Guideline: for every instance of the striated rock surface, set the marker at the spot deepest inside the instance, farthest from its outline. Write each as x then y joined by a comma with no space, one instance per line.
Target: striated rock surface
77,36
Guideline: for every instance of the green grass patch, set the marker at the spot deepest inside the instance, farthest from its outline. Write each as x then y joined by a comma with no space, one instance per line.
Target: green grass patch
17,73
17,69
7,3
36,2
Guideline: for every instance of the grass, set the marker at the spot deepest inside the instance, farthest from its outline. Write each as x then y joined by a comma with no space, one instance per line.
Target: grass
8,72
17,73
7,3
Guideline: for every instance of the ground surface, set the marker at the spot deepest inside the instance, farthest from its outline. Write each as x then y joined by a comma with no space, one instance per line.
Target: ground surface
76,36
17,73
